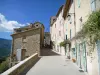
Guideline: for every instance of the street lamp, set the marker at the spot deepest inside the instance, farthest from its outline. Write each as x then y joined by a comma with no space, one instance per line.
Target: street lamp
69,17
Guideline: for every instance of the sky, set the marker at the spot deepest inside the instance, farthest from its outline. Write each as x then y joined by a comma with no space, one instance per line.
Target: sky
18,13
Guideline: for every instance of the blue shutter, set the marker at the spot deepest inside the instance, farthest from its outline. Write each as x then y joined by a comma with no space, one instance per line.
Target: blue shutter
93,6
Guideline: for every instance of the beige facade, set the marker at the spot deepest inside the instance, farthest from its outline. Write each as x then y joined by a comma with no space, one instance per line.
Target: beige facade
82,12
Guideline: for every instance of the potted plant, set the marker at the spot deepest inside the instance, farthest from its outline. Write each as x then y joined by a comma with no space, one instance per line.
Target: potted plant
63,44
74,60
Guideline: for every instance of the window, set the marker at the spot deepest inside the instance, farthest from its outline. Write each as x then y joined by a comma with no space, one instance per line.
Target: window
79,3
59,33
93,5
55,25
53,20
44,37
66,37
19,30
60,22
37,25
70,33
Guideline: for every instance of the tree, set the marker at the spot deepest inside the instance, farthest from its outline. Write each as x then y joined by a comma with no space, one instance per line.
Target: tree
64,43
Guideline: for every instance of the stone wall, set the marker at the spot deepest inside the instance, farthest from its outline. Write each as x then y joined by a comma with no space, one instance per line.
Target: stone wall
32,44
20,67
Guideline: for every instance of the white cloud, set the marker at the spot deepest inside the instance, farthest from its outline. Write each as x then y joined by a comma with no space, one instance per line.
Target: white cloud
8,26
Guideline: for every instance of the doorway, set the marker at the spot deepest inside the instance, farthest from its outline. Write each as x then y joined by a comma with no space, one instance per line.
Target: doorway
23,53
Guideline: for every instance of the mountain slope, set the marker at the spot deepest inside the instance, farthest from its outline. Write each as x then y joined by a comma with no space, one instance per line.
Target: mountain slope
5,47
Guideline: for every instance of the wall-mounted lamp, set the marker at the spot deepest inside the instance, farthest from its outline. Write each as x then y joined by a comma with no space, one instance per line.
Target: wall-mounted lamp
69,17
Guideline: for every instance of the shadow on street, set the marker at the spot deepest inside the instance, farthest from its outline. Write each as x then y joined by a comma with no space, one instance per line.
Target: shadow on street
48,52
44,52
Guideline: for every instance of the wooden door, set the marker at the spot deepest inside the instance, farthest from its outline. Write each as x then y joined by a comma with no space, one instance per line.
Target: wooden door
23,54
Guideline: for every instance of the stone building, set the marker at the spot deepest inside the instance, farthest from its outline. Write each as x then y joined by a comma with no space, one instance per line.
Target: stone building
47,39
27,41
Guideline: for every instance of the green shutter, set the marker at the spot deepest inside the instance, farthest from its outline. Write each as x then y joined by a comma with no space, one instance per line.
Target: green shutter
79,3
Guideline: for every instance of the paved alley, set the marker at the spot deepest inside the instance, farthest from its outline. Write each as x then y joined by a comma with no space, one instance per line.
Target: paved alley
54,65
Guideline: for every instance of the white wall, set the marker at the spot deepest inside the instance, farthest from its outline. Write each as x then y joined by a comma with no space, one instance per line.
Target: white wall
55,36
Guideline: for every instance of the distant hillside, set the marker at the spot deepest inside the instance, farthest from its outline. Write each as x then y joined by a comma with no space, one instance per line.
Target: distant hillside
5,47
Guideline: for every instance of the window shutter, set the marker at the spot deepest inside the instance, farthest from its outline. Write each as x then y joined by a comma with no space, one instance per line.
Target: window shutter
93,6
79,3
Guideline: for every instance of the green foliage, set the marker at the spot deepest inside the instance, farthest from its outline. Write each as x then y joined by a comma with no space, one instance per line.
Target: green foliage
63,44
52,43
91,27
4,65
2,59
4,52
